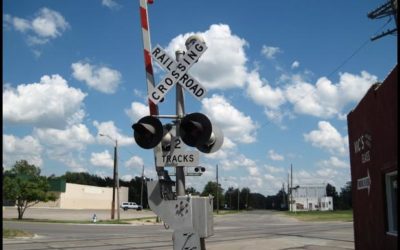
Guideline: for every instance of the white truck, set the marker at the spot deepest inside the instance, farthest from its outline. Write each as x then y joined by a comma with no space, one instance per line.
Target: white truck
131,205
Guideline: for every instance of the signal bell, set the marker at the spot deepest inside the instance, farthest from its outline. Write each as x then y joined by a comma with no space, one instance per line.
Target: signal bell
148,132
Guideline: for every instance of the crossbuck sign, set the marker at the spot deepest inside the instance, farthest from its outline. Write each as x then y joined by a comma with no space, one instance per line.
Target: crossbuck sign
177,72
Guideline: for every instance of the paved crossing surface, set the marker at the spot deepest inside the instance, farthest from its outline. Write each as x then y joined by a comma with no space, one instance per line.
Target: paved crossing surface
247,230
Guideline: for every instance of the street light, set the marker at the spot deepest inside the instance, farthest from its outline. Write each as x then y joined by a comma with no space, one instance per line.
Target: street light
116,179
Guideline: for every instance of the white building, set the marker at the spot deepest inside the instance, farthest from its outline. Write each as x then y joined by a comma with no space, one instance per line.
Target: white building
76,196
311,198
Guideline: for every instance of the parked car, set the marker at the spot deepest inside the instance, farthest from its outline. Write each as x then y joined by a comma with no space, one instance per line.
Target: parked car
131,205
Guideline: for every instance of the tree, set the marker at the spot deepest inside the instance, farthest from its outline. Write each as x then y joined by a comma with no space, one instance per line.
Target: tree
192,191
280,199
228,197
211,188
257,201
24,185
244,197
345,197
331,191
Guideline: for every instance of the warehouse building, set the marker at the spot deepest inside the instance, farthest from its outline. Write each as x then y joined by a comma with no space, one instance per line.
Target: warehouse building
310,198
76,196
373,127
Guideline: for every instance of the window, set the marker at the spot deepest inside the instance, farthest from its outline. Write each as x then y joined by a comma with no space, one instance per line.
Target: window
391,202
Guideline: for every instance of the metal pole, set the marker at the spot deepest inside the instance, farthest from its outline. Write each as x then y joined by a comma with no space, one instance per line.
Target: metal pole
116,175
180,112
217,192
141,190
291,188
238,198
288,190
114,184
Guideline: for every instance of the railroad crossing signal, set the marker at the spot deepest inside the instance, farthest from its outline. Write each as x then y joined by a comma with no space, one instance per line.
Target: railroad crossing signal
196,130
177,72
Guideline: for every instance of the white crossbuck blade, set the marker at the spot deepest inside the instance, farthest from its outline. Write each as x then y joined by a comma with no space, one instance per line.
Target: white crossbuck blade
177,72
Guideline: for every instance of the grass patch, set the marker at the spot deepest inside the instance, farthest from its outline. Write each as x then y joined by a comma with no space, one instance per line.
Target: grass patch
224,212
338,215
13,233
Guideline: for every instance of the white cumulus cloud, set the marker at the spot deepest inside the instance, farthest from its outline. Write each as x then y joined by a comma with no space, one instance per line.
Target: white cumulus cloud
27,148
326,99
328,138
262,93
111,133
275,156
222,65
334,161
75,137
102,159
49,103
103,79
234,124
270,52
47,24
295,64
112,4
137,111
134,162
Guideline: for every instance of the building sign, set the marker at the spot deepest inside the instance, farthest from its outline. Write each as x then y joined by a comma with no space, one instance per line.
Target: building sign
363,146
364,183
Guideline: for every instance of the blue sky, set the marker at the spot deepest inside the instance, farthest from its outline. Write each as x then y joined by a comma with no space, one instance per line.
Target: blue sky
281,76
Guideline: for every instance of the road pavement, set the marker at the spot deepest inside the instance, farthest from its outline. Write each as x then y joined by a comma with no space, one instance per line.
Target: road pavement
246,230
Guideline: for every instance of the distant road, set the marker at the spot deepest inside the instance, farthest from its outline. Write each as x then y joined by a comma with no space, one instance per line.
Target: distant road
247,230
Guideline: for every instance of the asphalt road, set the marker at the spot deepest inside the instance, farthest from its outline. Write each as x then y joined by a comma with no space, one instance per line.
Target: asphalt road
248,230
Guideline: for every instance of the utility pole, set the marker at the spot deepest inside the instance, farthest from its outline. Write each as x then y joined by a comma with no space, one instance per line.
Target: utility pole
217,192
291,187
238,198
141,190
113,192
115,178
388,9
288,190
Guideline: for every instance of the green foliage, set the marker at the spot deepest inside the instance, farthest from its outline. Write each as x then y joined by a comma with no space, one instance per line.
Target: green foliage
345,200
24,185
331,191
257,201
84,178
211,189
13,233
192,191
